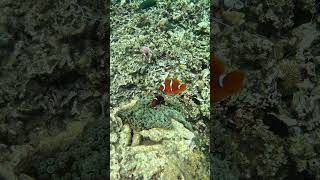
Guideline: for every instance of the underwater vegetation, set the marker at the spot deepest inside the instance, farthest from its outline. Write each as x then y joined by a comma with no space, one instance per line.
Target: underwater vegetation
53,82
269,129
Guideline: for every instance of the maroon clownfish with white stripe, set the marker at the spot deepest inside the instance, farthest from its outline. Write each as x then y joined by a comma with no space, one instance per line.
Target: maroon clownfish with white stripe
172,86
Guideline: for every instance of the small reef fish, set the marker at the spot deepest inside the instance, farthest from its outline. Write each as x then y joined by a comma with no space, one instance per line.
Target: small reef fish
224,85
158,100
172,86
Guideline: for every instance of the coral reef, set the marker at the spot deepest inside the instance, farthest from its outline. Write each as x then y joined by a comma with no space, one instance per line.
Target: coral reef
52,84
85,159
150,41
156,153
271,129
177,33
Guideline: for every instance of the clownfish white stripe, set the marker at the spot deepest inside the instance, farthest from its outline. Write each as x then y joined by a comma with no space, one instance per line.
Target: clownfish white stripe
221,78
164,87
172,86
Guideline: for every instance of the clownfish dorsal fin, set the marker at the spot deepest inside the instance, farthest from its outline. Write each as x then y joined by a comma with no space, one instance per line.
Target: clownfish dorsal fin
221,78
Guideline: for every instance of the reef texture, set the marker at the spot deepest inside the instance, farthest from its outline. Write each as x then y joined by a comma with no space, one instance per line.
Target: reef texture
155,153
150,41
169,38
53,81
270,130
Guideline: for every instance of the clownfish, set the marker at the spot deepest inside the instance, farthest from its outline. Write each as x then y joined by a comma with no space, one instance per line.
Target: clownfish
172,86
224,85
158,100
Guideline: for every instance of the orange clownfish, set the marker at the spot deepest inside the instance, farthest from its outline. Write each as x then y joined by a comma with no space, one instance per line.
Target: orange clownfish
223,85
172,86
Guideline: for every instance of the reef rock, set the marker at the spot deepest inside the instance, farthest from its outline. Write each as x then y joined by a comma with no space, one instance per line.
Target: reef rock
158,154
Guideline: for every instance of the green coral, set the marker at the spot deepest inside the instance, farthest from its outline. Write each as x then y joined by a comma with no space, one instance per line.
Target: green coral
143,116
